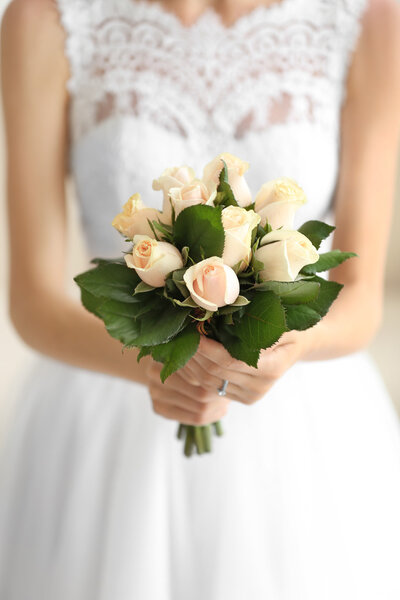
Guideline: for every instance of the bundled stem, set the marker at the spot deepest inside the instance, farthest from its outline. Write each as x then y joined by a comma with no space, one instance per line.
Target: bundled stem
198,438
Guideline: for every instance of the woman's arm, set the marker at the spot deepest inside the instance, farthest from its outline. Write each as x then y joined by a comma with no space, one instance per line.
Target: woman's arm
369,143
34,74
363,207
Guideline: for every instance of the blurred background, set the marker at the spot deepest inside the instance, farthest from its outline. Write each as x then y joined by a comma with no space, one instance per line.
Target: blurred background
15,357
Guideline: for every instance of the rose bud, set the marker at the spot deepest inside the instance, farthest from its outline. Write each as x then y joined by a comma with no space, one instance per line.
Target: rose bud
190,194
277,202
212,284
236,170
284,253
172,178
153,260
133,220
238,225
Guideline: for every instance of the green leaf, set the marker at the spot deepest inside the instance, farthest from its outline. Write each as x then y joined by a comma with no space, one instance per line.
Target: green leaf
301,317
158,327
225,195
90,302
188,302
113,281
200,228
144,351
263,321
328,260
241,301
329,291
316,231
108,261
120,320
236,348
291,292
165,230
143,287
177,352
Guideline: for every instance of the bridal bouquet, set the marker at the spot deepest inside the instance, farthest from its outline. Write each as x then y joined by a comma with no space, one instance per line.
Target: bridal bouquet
212,263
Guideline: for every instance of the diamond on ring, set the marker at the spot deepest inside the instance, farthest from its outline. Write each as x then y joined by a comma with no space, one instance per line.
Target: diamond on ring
222,389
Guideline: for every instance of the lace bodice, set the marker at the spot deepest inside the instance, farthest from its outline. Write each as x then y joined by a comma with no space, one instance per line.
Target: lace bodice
148,92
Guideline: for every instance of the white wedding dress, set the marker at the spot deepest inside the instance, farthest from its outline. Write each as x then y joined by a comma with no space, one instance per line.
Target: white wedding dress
300,500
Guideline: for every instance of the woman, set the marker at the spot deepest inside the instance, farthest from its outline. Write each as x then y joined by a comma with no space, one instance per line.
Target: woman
299,500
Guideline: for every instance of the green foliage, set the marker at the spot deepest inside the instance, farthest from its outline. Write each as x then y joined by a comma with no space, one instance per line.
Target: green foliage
160,325
120,320
316,231
263,321
90,302
225,196
177,352
292,292
329,291
327,261
236,348
301,317
111,280
200,229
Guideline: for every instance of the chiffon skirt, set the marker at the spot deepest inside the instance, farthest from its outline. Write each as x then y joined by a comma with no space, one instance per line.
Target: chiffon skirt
299,500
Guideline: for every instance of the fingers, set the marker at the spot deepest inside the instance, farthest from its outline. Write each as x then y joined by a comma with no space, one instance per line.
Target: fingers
175,407
178,400
216,353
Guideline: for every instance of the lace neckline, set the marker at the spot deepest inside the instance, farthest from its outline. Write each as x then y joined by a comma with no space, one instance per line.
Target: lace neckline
210,14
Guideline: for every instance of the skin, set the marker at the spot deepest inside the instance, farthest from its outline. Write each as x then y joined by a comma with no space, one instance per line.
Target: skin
34,73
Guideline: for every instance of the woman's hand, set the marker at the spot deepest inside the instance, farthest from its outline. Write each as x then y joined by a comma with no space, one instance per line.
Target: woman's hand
212,364
180,400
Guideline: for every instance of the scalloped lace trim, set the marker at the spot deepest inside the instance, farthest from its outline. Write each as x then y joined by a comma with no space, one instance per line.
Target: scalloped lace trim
134,58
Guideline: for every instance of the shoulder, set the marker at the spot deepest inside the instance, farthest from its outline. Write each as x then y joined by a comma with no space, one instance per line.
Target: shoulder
381,29
29,14
375,70
32,37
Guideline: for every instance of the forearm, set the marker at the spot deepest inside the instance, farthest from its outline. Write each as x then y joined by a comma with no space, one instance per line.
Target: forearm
348,327
61,328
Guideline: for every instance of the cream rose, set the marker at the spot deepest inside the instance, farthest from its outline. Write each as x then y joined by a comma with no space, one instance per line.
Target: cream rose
190,194
238,225
173,177
212,284
284,253
153,260
277,202
133,220
236,170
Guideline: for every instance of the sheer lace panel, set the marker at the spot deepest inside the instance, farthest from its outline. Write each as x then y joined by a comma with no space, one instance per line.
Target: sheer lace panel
285,63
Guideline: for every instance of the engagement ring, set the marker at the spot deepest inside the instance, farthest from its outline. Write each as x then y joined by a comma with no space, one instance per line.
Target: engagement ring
222,389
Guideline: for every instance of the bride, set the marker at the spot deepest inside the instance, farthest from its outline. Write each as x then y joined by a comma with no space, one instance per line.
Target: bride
300,499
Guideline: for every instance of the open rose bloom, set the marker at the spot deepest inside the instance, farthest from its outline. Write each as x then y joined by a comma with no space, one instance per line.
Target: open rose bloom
214,263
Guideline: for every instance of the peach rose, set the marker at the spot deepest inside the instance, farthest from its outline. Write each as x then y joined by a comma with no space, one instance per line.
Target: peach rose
238,225
284,253
190,194
236,170
133,220
153,260
173,177
277,202
212,284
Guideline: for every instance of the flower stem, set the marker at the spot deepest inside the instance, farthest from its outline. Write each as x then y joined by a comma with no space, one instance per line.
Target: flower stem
198,437
189,442
218,428
206,434
181,431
